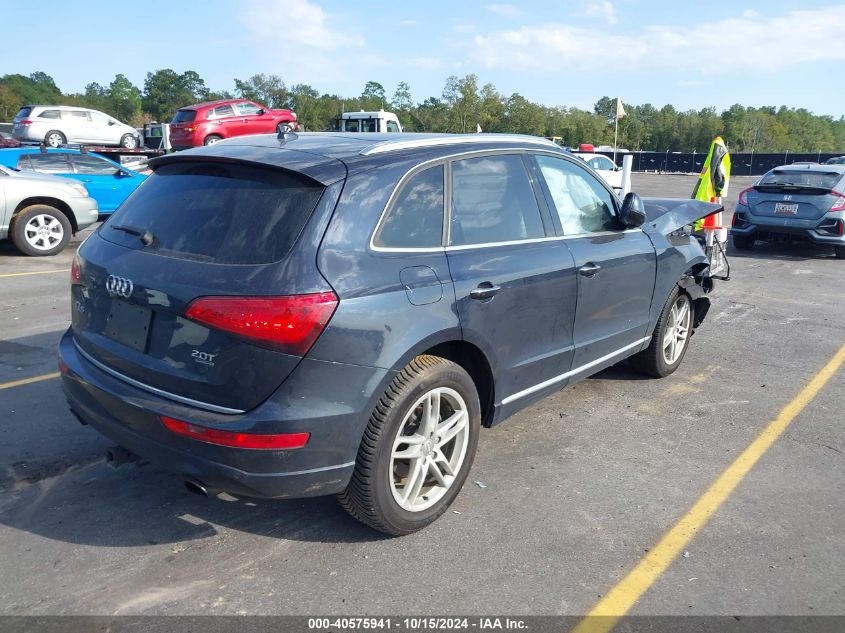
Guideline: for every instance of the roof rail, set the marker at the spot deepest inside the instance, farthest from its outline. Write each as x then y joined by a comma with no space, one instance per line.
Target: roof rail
82,148
456,139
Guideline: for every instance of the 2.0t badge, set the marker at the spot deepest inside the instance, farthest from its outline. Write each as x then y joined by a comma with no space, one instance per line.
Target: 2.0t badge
119,286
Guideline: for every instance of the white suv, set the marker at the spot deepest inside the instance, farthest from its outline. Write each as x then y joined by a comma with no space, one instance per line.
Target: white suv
57,125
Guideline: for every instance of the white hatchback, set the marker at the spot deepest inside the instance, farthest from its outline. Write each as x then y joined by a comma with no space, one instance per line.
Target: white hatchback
605,168
57,125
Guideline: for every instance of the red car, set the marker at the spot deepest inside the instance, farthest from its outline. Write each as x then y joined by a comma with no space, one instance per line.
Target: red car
8,141
207,123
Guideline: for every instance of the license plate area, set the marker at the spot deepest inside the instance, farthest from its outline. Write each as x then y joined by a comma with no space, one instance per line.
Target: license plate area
784,208
128,324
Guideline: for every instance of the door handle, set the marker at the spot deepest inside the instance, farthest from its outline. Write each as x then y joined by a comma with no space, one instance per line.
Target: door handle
484,290
588,270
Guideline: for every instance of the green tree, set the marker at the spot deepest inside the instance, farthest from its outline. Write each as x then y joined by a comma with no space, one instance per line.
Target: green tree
268,90
165,91
373,97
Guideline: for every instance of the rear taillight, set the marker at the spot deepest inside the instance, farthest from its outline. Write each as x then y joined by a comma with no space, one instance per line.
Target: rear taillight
290,324
276,441
75,271
839,202
743,196
25,122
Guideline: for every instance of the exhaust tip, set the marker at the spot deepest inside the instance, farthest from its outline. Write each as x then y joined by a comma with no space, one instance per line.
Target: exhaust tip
196,487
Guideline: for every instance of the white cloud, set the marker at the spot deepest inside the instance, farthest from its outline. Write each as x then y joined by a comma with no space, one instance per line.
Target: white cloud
505,10
292,25
747,42
602,8
426,63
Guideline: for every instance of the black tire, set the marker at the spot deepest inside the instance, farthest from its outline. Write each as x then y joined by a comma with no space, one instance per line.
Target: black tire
129,141
211,139
839,251
743,242
652,360
54,138
27,223
370,494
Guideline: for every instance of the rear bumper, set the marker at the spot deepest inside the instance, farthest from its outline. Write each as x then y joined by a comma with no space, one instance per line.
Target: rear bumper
780,229
130,417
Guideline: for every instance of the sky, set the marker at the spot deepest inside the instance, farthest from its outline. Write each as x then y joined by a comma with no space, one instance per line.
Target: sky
566,53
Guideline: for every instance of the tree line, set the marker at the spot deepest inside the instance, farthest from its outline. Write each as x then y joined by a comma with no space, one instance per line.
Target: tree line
463,106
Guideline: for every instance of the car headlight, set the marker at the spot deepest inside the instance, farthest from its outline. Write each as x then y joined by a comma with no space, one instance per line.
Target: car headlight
80,189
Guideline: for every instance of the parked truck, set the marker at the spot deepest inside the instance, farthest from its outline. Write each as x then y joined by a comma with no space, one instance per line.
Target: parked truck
363,121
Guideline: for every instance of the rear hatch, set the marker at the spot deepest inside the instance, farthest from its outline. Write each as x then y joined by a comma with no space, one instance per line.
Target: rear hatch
178,291
800,194
183,123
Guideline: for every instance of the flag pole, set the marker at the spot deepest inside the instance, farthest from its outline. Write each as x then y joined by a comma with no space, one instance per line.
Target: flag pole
615,137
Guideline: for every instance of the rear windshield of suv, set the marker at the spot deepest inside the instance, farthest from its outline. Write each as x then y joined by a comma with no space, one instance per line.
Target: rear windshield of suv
23,112
184,116
216,212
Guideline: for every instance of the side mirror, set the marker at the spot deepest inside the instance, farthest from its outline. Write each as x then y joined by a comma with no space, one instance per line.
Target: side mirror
261,111
633,211
123,174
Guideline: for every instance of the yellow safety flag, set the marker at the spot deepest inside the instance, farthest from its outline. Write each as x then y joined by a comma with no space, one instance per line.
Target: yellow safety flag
715,175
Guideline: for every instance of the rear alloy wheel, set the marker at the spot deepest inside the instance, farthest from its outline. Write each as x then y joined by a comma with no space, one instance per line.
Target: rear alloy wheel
418,448
671,337
40,230
743,242
839,251
211,139
54,138
129,141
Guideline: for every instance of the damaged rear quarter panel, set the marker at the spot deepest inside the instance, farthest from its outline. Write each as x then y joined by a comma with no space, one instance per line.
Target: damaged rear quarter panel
678,253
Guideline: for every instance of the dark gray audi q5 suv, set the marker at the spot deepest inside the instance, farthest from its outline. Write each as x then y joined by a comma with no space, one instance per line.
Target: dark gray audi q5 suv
323,314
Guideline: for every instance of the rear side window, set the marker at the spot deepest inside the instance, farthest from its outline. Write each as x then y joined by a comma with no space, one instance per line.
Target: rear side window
184,116
221,111
76,115
50,163
216,212
492,201
415,219
50,114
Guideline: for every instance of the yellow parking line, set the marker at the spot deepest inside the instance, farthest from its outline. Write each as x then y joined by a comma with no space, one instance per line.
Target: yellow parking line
36,272
616,603
28,381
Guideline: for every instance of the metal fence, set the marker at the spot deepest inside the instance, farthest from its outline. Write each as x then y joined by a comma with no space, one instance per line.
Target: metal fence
741,164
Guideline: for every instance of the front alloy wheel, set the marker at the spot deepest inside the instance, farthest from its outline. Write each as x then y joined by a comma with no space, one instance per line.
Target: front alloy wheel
677,330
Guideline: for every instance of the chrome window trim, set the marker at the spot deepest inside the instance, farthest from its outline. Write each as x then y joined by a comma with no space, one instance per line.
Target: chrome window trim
159,392
572,372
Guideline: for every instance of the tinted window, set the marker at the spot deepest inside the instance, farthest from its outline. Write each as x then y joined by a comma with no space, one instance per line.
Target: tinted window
415,219
76,115
50,114
582,203
93,166
227,214
492,201
50,163
23,112
248,108
222,111
805,178
184,116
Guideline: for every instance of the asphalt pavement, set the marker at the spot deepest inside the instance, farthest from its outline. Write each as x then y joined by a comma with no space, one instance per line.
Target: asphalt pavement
564,498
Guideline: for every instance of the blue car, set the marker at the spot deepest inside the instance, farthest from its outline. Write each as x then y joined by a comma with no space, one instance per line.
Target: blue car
107,182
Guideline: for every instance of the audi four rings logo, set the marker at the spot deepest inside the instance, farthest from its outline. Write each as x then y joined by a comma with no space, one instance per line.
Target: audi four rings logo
119,286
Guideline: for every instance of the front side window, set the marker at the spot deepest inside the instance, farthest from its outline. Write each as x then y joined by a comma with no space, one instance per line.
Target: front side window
492,201
93,166
247,109
49,163
415,219
392,126
582,203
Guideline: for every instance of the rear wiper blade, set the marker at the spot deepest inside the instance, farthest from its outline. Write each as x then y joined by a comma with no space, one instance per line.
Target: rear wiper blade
145,235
